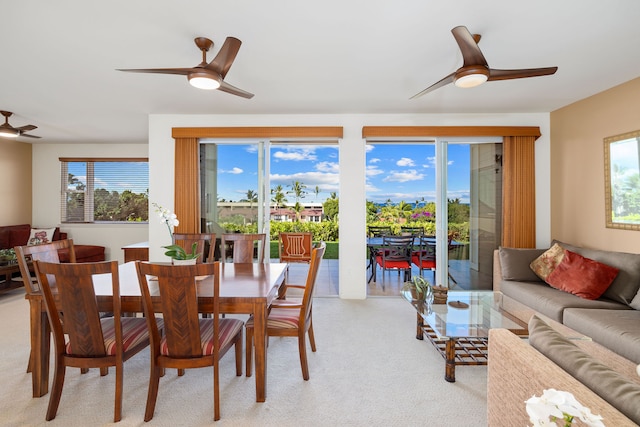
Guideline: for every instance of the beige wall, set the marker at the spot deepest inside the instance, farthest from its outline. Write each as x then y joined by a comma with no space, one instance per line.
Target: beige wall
15,175
577,167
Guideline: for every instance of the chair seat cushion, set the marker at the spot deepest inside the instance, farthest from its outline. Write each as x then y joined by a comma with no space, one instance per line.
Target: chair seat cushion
280,318
229,328
392,264
134,331
425,263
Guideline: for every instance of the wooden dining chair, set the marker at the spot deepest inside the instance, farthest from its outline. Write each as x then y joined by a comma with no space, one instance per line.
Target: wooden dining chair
295,247
188,341
243,246
291,317
205,244
46,252
81,337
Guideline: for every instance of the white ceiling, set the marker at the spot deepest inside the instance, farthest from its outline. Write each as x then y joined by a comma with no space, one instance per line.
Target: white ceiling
59,58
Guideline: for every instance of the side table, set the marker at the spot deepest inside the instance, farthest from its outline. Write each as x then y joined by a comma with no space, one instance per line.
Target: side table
7,269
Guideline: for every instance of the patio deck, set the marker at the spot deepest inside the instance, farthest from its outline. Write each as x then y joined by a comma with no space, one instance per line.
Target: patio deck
388,284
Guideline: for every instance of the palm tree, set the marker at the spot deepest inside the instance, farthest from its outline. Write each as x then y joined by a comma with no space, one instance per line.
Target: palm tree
297,188
317,191
252,197
278,196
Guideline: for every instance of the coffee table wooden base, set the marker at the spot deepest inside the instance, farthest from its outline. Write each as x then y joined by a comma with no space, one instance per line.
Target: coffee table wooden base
455,351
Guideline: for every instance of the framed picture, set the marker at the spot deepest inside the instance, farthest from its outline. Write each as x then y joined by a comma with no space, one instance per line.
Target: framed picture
622,181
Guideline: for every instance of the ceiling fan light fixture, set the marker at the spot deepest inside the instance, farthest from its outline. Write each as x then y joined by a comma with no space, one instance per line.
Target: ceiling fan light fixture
9,133
204,81
471,80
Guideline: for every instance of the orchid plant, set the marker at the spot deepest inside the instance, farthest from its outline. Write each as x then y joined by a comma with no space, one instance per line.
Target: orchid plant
171,220
559,406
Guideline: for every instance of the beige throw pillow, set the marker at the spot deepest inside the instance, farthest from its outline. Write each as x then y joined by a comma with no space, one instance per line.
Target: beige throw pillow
40,236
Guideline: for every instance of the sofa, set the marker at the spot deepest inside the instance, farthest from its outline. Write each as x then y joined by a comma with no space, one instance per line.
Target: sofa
611,320
587,346
19,235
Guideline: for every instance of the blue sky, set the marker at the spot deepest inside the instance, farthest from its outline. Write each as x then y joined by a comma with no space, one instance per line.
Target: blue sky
394,171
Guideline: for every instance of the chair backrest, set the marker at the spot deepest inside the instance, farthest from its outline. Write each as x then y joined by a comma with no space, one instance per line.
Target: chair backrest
411,231
379,231
397,248
47,252
307,299
73,284
427,251
205,244
243,246
295,247
177,287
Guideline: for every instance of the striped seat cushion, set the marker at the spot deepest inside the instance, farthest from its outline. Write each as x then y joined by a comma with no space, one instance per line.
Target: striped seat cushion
280,318
134,331
228,330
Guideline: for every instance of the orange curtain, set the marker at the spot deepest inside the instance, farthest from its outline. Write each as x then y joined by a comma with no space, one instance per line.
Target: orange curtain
518,192
187,185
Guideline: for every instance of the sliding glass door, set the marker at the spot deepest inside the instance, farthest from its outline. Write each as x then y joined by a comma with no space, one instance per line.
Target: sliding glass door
449,188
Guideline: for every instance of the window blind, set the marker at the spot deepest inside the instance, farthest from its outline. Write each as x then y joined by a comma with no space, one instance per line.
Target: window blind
104,190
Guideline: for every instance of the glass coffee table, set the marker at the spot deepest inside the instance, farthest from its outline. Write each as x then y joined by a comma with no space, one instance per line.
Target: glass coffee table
459,330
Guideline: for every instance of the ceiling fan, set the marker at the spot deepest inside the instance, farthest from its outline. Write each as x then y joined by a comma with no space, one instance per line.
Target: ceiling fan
475,70
9,131
207,75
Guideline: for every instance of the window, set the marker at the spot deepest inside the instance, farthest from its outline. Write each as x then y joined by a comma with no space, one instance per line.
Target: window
104,190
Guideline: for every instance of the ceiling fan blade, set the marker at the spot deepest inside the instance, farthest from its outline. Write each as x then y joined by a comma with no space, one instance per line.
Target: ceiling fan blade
520,74
225,57
179,71
471,53
29,136
26,128
443,82
226,87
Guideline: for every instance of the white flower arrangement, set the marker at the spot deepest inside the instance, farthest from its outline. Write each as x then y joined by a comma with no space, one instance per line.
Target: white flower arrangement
559,406
171,220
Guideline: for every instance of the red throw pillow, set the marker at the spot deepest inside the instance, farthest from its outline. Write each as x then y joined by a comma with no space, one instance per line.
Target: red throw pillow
581,276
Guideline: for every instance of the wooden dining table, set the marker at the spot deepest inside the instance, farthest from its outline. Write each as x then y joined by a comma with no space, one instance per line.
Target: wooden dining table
245,288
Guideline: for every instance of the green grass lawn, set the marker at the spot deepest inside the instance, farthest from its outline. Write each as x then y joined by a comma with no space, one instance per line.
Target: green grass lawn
330,253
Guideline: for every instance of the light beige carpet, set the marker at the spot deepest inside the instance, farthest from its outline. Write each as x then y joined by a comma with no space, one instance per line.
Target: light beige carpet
369,370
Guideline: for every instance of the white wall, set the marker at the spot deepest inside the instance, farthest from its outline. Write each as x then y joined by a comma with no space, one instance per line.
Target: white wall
352,178
46,196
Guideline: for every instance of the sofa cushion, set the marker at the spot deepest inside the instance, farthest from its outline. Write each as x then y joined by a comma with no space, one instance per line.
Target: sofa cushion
573,273
514,264
626,284
618,330
19,235
610,385
550,301
40,236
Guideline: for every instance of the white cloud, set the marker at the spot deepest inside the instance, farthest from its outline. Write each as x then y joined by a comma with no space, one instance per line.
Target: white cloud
374,160
405,161
331,167
432,162
409,175
373,171
235,171
295,155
